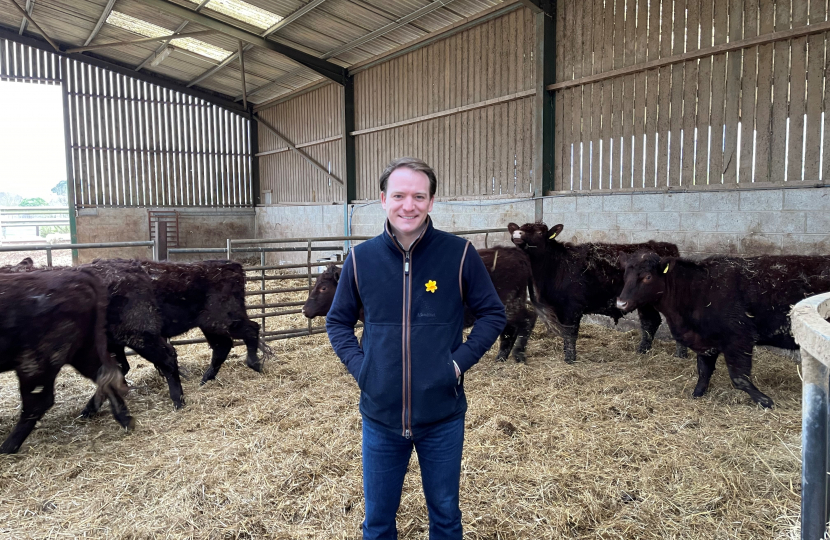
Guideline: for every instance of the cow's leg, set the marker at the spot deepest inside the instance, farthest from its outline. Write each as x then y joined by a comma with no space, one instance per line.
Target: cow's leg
739,364
506,341
117,350
569,334
37,397
649,323
221,346
705,368
523,334
161,354
248,332
680,350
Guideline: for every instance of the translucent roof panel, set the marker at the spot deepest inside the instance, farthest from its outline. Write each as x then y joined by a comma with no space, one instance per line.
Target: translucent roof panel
243,11
144,28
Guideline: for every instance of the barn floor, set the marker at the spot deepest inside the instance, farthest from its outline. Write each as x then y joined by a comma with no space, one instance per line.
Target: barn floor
612,447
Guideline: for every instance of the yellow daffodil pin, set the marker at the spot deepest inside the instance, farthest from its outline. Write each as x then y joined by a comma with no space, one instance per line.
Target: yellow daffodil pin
432,286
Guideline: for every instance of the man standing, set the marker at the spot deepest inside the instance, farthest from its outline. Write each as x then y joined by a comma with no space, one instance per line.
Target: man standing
413,282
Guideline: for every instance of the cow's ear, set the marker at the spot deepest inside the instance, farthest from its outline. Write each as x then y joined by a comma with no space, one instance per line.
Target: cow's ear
336,274
512,227
556,230
667,264
622,260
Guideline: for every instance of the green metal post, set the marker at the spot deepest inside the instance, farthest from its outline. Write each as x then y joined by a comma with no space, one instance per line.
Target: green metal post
70,176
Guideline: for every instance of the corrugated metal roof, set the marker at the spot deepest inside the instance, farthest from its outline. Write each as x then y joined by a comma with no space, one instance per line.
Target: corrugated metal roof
336,30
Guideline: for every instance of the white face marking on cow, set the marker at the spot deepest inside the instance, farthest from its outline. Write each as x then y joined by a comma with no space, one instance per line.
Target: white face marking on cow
517,234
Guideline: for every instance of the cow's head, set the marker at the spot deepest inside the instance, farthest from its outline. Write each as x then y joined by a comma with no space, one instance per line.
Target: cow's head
322,295
645,279
533,236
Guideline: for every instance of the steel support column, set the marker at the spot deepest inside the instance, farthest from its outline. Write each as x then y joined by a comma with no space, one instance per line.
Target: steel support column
256,196
350,155
67,145
814,448
543,117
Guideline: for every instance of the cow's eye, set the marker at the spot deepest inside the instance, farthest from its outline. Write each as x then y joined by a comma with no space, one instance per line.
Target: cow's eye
646,278
322,289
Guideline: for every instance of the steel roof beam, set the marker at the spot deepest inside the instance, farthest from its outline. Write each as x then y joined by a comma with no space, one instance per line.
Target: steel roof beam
101,19
30,5
293,17
136,41
548,7
33,23
327,69
215,98
161,47
283,23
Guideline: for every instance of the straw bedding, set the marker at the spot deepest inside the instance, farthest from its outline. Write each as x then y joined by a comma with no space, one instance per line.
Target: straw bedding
612,447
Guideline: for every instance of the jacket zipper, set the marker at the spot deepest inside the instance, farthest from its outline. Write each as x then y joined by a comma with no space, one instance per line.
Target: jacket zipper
407,359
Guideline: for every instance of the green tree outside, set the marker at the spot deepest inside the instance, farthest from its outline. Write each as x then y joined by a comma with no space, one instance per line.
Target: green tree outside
34,201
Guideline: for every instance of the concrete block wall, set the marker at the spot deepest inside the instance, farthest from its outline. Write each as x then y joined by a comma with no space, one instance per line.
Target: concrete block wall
730,221
298,222
734,222
367,220
198,227
96,225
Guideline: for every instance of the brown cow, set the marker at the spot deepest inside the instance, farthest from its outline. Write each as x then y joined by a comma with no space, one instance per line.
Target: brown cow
510,272
50,319
574,279
133,318
725,305
209,295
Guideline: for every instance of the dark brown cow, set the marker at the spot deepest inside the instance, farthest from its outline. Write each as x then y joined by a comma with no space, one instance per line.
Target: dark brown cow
49,319
509,269
321,296
133,318
725,305
510,272
209,295
574,279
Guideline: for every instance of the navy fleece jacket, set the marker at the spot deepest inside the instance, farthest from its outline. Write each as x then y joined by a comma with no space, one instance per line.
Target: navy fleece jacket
414,317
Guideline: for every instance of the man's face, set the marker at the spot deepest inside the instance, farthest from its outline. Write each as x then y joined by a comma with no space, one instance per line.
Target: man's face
407,201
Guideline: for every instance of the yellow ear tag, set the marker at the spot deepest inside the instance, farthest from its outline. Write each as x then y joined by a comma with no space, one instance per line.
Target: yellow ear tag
666,271
553,236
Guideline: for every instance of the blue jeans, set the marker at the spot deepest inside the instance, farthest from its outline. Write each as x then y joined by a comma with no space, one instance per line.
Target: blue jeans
385,459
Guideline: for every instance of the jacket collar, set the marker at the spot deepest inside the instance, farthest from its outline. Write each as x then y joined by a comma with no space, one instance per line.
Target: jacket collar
392,241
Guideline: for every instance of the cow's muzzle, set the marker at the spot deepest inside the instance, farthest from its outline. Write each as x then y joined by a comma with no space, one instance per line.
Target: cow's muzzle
622,305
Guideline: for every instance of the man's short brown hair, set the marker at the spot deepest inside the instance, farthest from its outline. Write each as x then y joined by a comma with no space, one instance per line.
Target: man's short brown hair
410,163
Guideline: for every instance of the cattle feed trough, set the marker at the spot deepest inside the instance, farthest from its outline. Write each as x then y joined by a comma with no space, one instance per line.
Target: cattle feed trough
812,333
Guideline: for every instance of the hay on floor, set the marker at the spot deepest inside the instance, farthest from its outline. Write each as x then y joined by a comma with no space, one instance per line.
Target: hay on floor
612,447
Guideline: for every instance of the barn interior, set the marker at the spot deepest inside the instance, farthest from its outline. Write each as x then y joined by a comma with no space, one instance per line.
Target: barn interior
257,130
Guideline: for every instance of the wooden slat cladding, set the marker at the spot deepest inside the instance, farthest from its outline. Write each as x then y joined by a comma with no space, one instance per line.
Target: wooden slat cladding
462,104
738,114
21,63
312,122
137,144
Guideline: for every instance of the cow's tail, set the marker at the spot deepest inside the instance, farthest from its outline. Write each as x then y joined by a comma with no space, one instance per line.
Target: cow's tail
110,381
546,313
265,350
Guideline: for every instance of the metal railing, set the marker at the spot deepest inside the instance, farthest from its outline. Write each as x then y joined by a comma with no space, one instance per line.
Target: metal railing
812,333
53,247
16,221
